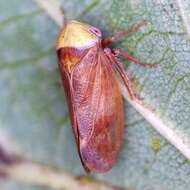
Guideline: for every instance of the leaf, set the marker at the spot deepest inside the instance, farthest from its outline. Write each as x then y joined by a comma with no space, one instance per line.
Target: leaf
33,113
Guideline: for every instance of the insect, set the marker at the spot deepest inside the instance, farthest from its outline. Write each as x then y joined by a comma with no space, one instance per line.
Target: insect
88,69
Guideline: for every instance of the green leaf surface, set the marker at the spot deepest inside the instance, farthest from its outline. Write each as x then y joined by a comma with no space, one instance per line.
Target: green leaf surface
33,111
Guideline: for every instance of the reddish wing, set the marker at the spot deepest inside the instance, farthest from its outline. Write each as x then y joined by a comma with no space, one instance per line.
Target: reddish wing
98,109
67,87
66,78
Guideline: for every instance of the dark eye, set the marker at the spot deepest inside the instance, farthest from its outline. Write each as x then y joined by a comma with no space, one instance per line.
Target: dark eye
96,31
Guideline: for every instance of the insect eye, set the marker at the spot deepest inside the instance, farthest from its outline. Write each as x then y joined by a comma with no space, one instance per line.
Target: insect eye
96,31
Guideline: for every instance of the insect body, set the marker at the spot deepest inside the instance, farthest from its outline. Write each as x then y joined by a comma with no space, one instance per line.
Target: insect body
88,69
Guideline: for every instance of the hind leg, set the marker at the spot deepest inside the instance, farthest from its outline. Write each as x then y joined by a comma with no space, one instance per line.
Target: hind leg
122,73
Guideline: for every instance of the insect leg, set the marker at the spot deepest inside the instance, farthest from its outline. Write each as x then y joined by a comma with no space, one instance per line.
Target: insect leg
122,74
129,57
108,41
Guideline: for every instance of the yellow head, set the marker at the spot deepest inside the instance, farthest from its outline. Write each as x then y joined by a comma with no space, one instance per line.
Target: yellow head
78,35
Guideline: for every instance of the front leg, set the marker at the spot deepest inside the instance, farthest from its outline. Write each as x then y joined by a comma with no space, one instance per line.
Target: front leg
108,41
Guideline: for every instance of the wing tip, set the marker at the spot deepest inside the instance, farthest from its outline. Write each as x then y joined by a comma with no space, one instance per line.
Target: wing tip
93,163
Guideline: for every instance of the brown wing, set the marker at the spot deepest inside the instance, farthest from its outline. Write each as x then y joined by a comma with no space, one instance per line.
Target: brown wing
98,107
66,78
67,87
